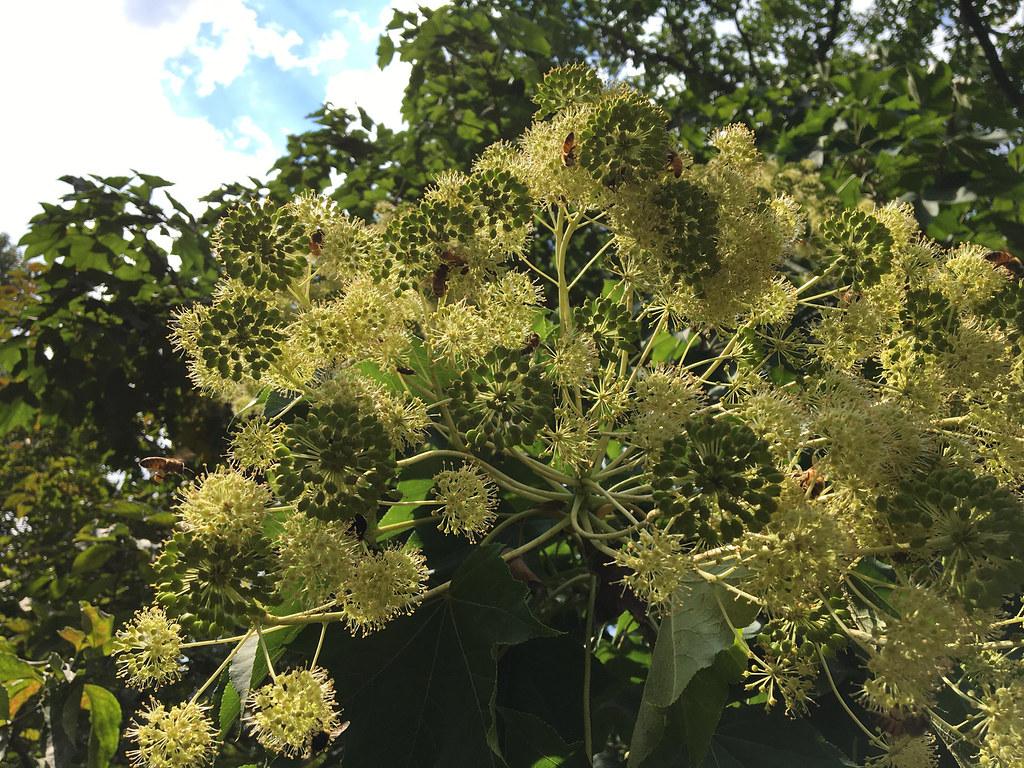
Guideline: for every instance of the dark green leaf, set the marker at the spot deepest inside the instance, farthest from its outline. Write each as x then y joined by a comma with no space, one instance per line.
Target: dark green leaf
104,724
434,672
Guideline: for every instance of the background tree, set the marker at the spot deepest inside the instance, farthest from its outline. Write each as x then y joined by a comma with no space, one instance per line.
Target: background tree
863,99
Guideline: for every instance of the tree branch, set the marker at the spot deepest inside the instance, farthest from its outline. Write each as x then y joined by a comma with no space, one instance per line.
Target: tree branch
826,42
969,16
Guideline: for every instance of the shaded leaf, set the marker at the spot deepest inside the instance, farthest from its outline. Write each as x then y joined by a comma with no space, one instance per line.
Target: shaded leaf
434,672
104,724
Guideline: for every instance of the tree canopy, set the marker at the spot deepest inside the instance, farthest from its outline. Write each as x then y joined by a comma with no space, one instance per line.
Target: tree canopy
916,105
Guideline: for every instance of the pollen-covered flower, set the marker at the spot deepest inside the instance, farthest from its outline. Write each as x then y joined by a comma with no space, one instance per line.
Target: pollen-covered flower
777,417
919,648
1003,727
224,505
906,751
179,737
289,712
575,360
148,649
469,500
381,586
314,557
658,565
254,444
798,556
665,400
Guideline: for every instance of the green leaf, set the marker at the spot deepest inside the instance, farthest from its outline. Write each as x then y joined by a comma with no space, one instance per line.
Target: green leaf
529,741
687,727
92,558
5,705
385,51
104,724
240,670
434,673
13,668
748,736
689,639
230,702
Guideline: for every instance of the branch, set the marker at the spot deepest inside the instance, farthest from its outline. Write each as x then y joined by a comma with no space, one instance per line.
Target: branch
969,15
826,42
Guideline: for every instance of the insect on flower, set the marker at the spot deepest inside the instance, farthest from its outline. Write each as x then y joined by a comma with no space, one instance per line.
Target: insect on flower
569,150
1007,261
315,241
161,466
531,344
439,280
324,738
675,164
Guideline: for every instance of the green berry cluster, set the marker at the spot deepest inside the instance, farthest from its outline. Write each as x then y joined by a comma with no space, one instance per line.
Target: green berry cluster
504,402
567,86
500,200
718,479
690,218
624,140
971,524
861,244
242,335
211,586
262,245
1007,307
609,323
930,320
336,462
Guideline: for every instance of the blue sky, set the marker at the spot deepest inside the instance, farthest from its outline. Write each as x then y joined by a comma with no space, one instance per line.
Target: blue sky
198,91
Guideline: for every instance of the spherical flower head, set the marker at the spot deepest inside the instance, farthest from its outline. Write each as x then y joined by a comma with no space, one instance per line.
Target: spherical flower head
968,279
469,500
658,566
179,737
148,649
382,586
777,417
665,400
716,480
906,751
919,648
798,556
573,438
871,443
623,141
575,360
776,306
288,713
226,506
567,85
1003,723
782,672
254,444
262,245
736,143
313,557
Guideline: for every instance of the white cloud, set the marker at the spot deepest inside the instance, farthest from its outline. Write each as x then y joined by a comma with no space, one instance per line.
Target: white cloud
236,37
87,90
377,91
84,96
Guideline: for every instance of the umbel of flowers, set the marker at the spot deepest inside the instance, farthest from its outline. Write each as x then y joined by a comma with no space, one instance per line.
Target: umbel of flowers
726,383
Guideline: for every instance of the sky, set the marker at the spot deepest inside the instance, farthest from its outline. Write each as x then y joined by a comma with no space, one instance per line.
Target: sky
200,92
